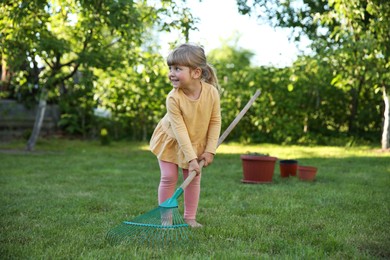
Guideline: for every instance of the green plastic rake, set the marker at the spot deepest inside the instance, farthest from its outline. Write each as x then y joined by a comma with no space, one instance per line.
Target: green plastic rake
164,225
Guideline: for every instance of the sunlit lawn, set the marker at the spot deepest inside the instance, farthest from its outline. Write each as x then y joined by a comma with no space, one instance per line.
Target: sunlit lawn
60,201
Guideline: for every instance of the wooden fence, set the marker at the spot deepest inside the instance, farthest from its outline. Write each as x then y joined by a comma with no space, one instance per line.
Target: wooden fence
17,121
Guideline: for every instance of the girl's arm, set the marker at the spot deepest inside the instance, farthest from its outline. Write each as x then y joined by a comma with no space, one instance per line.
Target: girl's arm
214,126
213,132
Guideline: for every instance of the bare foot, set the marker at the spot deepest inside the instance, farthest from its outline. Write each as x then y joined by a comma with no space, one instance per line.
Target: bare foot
192,223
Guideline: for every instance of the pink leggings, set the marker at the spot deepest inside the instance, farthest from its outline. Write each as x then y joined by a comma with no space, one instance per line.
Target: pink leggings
168,181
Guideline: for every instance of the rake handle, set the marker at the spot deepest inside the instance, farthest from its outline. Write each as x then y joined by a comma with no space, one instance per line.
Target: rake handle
192,175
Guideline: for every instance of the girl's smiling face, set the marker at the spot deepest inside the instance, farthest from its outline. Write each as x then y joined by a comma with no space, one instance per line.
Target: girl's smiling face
180,76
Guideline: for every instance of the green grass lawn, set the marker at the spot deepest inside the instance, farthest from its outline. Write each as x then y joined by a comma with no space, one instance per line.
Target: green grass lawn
60,201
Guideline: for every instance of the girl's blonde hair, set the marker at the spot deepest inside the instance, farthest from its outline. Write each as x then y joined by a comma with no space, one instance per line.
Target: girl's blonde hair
193,56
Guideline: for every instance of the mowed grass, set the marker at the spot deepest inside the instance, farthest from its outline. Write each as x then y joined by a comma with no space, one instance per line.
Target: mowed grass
60,201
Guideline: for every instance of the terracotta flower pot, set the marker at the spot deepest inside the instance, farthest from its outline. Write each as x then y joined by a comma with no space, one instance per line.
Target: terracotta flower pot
258,169
288,168
307,173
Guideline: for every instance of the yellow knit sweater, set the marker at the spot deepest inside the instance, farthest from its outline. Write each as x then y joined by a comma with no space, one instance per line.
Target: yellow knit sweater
189,128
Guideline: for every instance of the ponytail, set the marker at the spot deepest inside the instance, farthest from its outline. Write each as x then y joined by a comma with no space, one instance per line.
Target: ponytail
210,76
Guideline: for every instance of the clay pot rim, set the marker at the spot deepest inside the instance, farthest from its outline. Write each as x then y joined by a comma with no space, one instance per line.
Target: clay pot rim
250,157
288,161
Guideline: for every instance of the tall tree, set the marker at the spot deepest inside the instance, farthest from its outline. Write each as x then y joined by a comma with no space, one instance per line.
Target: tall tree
354,35
45,43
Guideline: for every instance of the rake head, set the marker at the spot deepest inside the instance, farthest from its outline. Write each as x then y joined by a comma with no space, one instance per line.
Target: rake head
162,226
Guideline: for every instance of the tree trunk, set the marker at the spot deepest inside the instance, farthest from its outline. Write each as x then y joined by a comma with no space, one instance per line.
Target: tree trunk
3,70
353,111
38,121
5,77
386,123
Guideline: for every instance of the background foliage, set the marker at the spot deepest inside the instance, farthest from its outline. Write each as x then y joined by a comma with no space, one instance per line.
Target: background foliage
351,40
105,56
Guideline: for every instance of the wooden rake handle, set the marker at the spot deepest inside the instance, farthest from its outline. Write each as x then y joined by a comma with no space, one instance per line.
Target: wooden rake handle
192,175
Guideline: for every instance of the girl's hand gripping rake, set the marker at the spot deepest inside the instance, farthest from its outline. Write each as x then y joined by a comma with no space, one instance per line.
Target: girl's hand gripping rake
164,225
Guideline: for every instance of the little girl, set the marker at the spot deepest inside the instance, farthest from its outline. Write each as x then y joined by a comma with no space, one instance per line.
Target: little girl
189,131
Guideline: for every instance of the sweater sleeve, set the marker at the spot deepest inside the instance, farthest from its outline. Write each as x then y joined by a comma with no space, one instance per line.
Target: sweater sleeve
179,129
214,126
